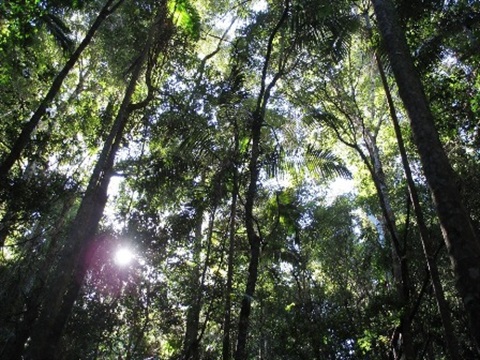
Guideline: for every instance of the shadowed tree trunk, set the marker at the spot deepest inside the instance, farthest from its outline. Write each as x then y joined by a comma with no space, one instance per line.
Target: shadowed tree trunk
254,239
226,346
458,232
194,330
30,288
427,241
190,344
6,224
65,282
400,269
73,262
402,341
23,139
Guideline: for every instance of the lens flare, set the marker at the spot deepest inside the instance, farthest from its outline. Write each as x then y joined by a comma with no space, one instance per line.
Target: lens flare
123,256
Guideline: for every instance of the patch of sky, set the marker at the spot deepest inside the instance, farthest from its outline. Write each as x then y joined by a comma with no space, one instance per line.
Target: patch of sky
339,187
228,22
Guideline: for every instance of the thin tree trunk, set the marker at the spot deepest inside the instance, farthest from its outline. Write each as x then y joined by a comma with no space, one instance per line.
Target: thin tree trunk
400,269
253,238
399,262
427,242
190,344
8,220
254,241
194,333
23,139
141,334
458,232
226,348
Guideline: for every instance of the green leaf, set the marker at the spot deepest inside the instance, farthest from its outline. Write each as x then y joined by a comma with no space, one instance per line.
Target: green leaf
186,17
289,307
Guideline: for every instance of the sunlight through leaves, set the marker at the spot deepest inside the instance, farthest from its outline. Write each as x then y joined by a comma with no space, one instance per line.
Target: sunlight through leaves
123,256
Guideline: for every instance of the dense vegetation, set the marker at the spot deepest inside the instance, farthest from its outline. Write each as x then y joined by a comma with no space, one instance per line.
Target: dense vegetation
290,179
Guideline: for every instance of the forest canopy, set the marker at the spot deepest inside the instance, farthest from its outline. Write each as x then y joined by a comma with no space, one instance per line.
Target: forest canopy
230,179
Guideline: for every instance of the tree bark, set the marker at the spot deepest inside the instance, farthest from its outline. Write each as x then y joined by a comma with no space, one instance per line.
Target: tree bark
254,241
458,232
65,283
427,241
190,343
23,139
399,260
226,346
356,125
30,288
253,238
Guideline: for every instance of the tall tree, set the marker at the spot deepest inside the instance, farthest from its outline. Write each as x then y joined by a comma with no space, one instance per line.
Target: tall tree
353,129
257,122
226,345
63,286
428,242
460,236
23,138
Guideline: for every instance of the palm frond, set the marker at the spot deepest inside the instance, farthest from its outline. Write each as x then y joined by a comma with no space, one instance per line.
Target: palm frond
199,144
324,25
325,163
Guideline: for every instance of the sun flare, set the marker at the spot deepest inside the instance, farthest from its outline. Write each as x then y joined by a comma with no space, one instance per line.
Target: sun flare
123,256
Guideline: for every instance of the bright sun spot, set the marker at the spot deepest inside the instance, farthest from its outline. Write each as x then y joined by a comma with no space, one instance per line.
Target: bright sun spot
123,256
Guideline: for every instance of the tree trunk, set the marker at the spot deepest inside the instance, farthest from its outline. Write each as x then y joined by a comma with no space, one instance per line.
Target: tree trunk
400,269
254,239
190,343
30,288
8,220
194,332
427,242
459,235
24,137
226,347
374,165
64,285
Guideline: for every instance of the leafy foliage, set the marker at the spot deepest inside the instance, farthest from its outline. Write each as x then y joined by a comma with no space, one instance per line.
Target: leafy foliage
288,95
